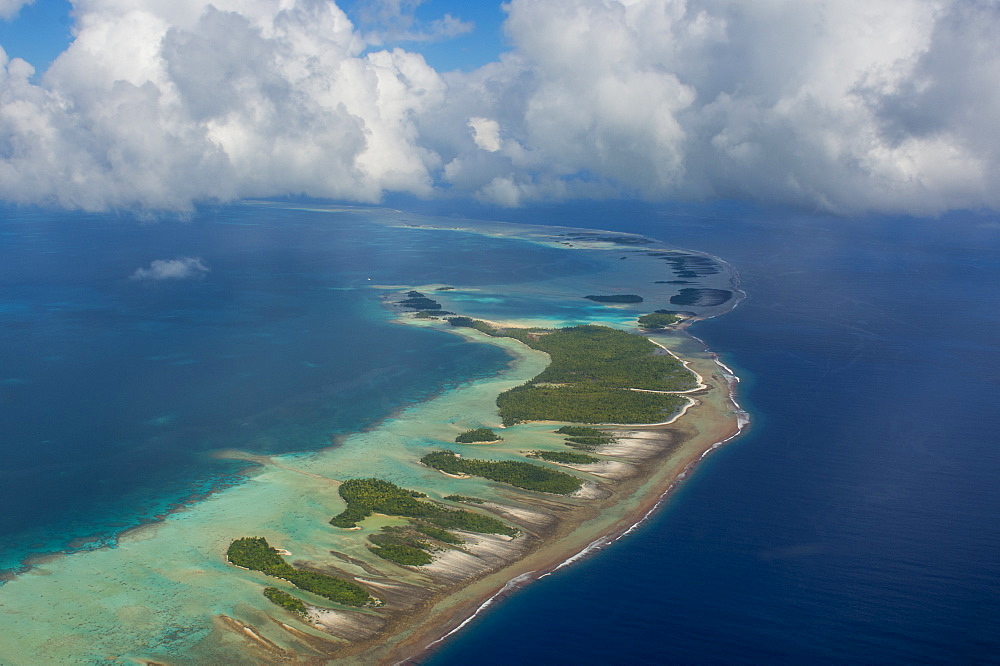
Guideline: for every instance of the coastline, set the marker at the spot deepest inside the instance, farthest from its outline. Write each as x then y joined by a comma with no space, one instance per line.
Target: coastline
177,564
715,419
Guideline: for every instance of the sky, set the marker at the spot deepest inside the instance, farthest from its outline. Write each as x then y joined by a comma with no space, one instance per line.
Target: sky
845,106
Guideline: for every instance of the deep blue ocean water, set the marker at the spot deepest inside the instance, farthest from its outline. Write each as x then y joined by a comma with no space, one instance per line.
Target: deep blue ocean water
857,520
114,391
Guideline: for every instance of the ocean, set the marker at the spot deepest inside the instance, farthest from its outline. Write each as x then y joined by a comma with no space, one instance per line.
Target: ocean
854,521
115,390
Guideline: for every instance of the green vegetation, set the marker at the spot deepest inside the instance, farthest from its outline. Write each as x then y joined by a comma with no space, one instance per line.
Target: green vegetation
444,289
586,443
478,435
367,496
657,320
469,521
405,544
702,297
416,301
285,600
588,380
615,298
582,405
604,357
255,553
516,473
437,533
619,240
582,431
399,545
585,438
478,324
465,499
565,457
402,554
525,335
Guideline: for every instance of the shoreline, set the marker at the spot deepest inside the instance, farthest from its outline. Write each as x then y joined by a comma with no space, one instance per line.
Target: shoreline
288,499
451,613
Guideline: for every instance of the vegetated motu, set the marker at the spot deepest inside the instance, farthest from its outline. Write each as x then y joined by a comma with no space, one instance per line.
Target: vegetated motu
584,437
367,496
465,499
285,600
437,533
398,545
478,435
614,298
516,473
657,320
590,376
406,545
588,380
416,301
567,457
256,553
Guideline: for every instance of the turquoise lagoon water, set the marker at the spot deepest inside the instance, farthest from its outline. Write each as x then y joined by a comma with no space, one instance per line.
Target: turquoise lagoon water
855,521
115,391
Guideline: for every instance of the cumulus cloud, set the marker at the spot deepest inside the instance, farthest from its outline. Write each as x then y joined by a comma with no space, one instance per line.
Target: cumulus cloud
486,133
10,8
845,105
160,104
182,268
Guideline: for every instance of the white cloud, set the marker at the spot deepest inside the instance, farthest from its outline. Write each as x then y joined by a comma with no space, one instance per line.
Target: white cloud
159,104
182,268
844,105
10,8
486,133
841,104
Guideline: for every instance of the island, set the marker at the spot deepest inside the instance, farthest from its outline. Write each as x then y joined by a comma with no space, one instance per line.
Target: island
371,546
657,320
613,391
615,298
478,435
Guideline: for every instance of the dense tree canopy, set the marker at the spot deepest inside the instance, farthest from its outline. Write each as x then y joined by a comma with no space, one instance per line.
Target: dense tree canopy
516,473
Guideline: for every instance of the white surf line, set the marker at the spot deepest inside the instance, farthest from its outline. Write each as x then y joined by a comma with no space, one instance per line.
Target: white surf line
513,583
687,365
742,421
691,403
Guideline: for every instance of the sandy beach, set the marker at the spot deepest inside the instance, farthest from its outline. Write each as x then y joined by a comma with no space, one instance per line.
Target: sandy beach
663,455
167,590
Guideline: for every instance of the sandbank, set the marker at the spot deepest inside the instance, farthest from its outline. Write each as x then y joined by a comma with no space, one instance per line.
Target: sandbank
166,593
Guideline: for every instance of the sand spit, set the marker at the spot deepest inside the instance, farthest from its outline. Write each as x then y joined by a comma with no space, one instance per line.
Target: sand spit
350,626
639,445
453,566
257,643
480,554
522,516
611,470
158,596
591,491
662,454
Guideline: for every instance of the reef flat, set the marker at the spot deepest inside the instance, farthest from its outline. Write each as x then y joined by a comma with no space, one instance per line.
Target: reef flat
173,591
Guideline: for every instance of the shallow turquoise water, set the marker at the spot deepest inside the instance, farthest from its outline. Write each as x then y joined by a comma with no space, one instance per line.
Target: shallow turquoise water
114,391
